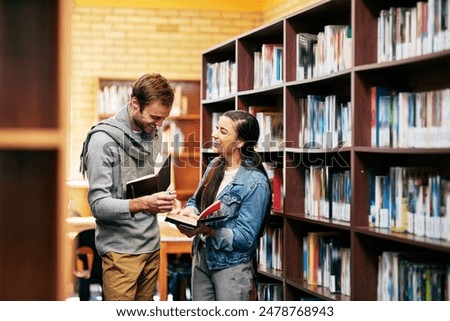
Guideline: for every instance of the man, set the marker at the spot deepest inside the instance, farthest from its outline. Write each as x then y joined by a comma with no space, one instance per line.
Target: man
115,151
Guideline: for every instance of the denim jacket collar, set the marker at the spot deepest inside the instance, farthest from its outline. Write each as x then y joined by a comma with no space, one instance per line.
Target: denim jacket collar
240,179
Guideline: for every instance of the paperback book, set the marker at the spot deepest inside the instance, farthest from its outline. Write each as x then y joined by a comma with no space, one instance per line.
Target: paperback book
204,217
153,183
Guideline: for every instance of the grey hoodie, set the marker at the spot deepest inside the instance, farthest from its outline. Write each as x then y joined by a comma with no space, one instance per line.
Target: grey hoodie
113,154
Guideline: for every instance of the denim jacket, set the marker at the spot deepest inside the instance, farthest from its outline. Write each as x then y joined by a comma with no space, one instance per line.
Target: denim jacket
245,200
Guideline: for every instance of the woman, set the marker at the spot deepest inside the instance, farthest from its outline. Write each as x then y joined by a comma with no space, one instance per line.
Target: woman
224,251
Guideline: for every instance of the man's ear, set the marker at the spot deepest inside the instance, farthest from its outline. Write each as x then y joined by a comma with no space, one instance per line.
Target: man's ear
134,103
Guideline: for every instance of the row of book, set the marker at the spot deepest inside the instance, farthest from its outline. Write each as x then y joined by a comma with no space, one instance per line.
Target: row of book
412,277
405,32
173,140
221,79
410,119
270,291
111,98
268,66
270,129
410,200
324,53
269,255
327,194
180,102
326,261
325,122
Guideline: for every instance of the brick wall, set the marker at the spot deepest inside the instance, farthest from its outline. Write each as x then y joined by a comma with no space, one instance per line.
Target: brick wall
117,42
283,8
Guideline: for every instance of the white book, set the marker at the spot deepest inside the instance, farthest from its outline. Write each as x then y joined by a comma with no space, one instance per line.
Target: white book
413,27
407,31
431,20
419,28
257,80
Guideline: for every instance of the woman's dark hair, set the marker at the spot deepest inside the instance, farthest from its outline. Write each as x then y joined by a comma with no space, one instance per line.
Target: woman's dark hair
247,129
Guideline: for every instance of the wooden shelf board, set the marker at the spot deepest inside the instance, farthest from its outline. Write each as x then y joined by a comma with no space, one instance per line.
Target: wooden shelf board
317,291
184,117
35,139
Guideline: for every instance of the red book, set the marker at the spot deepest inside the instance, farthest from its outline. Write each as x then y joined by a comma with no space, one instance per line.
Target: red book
277,189
211,209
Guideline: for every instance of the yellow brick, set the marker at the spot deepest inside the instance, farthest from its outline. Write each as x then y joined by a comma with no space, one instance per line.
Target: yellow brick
170,28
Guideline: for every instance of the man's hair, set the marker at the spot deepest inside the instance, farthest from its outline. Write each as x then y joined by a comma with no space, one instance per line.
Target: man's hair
152,87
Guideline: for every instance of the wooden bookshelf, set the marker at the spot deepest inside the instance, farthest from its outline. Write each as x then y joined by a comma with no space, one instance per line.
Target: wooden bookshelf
33,140
418,73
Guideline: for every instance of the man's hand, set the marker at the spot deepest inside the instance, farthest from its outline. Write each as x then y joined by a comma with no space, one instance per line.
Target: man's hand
161,202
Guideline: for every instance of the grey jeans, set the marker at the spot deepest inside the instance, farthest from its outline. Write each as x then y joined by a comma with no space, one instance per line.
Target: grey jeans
235,283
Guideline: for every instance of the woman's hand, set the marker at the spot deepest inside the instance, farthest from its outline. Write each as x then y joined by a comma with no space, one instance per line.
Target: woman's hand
200,229
187,231
187,211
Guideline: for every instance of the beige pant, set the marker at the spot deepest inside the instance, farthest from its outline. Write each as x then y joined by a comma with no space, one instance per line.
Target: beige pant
128,277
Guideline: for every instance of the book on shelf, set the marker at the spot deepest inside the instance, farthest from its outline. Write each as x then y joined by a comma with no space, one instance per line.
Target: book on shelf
411,276
270,291
153,183
337,277
272,64
205,216
420,119
325,121
270,249
323,53
412,200
270,128
333,50
376,94
313,258
220,79
405,32
379,198
345,271
257,70
180,102
275,174
388,285
306,43
111,98
340,193
326,261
